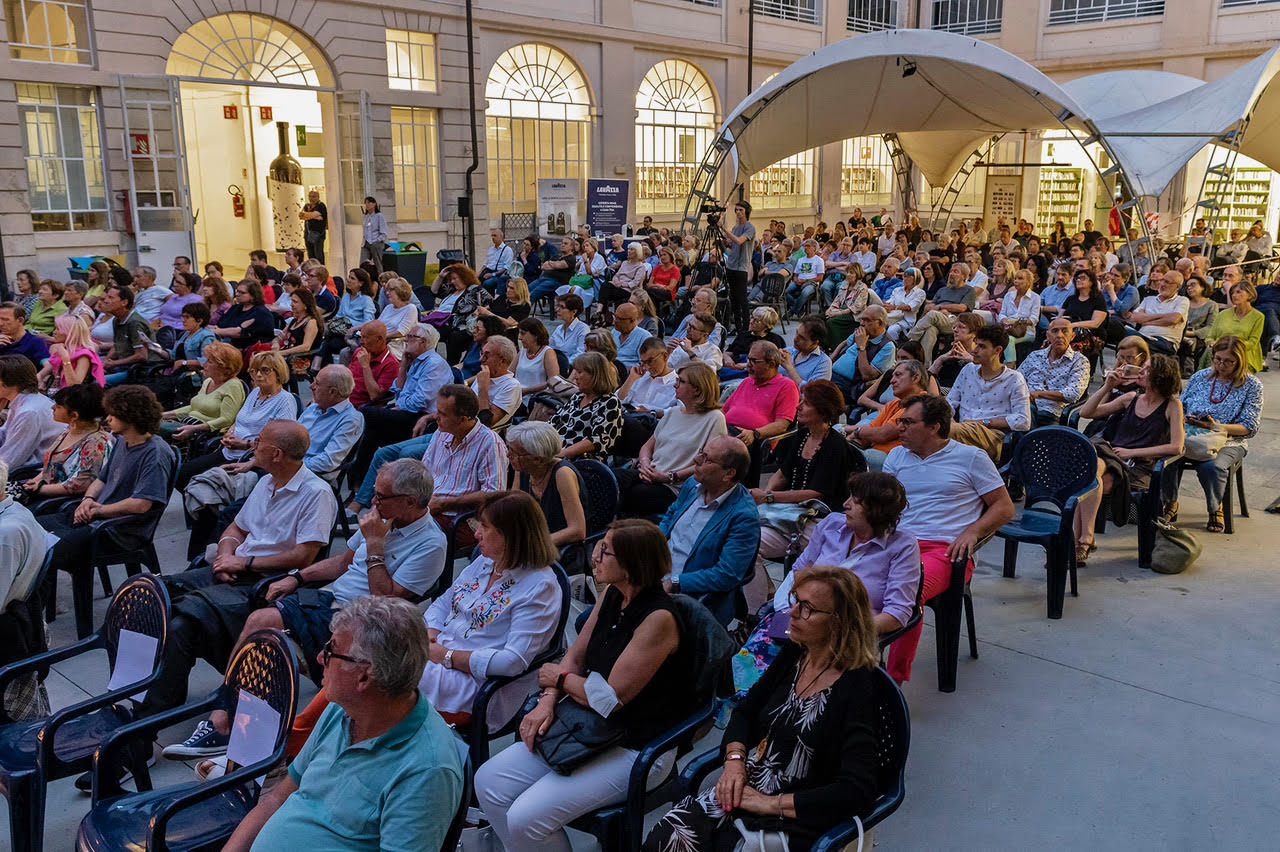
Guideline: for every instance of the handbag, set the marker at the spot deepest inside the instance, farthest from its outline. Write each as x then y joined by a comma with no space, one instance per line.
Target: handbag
576,735
1202,444
1176,549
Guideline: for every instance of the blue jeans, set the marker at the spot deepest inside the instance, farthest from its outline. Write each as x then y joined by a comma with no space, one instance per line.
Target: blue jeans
118,377
829,288
1212,475
410,449
542,286
1270,322
797,294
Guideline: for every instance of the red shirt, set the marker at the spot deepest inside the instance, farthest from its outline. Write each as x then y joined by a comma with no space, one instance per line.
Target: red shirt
665,278
385,369
753,405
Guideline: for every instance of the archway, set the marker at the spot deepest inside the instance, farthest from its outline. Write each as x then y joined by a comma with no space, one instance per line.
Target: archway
676,120
252,92
537,125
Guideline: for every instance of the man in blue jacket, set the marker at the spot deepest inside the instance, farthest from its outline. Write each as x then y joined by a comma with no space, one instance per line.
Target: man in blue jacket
713,529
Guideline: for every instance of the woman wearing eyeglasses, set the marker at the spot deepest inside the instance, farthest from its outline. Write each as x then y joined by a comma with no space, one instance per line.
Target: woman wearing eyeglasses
629,664
799,749
247,321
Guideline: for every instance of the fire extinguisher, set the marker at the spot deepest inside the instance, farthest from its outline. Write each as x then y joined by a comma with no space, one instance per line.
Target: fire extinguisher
237,201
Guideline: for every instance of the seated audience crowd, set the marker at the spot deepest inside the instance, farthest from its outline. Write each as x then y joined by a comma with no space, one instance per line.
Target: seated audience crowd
808,496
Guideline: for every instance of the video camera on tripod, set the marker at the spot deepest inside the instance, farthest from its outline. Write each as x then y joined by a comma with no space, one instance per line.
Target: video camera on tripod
712,210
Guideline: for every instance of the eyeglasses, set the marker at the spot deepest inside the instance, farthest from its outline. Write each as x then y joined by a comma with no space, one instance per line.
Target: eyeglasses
703,458
327,652
261,371
803,609
908,421
380,498
1224,360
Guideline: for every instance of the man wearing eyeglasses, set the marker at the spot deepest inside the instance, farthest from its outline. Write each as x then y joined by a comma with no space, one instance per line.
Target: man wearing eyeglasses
281,527
651,384
399,551
713,528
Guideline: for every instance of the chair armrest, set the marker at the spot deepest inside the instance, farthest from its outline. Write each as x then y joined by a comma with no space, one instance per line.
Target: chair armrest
479,733
49,732
637,785
11,672
697,770
106,759
241,776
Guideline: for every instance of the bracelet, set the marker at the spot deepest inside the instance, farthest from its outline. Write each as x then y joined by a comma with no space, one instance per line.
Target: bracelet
560,681
735,755
229,538
779,804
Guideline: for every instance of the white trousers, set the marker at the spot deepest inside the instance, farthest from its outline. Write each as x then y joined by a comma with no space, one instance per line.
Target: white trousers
528,804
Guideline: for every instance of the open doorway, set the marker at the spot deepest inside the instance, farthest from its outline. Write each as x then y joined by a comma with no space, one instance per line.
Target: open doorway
232,135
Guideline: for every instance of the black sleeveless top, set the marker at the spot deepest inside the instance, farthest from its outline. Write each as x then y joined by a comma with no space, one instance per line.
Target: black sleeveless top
664,699
1135,432
552,507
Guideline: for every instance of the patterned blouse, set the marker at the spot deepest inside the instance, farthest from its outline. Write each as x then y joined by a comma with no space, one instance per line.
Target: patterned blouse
1240,405
850,298
77,464
464,308
599,420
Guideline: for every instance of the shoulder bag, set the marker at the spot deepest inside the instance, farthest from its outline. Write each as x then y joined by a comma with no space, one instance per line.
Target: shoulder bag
1202,444
577,734
1176,549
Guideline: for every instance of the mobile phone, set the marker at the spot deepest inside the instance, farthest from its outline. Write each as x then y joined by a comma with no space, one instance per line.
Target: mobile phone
1130,370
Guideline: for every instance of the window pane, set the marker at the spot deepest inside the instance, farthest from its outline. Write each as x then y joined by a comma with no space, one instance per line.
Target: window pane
65,173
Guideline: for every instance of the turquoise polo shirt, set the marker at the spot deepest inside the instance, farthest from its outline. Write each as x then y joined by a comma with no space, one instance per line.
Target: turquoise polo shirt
397,791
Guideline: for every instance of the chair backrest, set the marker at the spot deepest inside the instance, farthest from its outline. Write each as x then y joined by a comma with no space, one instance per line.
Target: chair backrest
893,738
265,666
459,822
1053,463
601,503
565,596
140,605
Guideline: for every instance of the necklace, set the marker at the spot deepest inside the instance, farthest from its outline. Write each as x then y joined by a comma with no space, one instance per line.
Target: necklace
1213,389
800,690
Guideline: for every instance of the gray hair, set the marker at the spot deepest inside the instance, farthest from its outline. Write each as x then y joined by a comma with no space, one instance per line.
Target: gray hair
429,333
711,296
918,371
411,478
538,438
80,287
767,315
4,475
148,271
390,635
503,348
769,352
914,273
339,377
875,312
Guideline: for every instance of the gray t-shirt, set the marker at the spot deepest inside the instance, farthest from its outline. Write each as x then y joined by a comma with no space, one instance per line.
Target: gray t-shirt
962,295
738,257
140,471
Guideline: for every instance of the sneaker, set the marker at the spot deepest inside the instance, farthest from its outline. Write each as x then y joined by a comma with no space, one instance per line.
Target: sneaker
204,741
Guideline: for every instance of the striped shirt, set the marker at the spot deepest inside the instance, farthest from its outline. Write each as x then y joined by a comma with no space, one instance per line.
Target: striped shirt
477,462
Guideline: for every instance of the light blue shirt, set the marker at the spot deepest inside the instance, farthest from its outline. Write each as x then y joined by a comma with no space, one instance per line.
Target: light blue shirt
358,310
1053,296
572,341
414,555
426,375
847,365
334,431
629,349
148,302
392,793
815,365
1126,299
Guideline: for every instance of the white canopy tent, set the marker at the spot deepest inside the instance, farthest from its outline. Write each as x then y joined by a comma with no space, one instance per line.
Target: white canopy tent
942,94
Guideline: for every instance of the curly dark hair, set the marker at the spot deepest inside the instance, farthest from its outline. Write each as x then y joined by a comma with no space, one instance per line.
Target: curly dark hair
135,405
882,498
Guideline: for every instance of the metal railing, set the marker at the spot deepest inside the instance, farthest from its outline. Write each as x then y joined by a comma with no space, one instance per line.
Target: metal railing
1090,11
868,16
800,11
967,17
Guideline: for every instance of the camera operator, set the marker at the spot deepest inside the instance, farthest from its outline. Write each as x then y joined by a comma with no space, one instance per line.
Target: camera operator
737,261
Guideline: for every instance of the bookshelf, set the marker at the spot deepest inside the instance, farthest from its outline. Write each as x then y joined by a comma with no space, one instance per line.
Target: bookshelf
1245,197
1058,197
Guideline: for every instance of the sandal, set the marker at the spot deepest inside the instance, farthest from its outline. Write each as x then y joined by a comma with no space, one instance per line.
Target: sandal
1215,524
1083,549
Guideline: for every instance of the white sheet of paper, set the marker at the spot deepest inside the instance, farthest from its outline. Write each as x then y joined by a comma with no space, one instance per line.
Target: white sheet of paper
253,733
135,659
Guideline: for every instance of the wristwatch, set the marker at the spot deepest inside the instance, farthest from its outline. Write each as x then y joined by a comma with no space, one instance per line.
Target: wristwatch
248,564
768,496
448,659
986,421
296,574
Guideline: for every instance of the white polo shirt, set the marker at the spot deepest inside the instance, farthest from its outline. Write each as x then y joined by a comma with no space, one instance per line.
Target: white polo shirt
1155,305
944,491
656,394
301,510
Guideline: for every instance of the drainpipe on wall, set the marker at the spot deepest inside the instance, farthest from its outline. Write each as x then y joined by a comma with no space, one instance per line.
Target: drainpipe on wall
469,220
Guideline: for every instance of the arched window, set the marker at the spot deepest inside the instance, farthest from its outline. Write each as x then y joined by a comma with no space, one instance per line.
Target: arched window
248,46
537,124
675,122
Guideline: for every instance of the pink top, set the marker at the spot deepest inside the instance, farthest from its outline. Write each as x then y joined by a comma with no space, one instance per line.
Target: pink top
95,365
753,405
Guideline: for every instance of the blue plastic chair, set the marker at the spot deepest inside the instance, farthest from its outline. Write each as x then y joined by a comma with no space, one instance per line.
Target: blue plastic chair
1057,466
479,732
893,741
600,502
35,752
196,814
948,606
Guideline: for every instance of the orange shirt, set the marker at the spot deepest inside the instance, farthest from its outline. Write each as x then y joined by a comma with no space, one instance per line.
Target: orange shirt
888,414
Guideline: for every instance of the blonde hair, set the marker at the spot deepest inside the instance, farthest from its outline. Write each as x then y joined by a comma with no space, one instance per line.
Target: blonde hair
852,637
273,361
604,378
704,381
401,288
75,331
517,291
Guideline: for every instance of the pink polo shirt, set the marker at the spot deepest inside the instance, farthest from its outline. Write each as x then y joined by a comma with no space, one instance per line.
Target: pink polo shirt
753,405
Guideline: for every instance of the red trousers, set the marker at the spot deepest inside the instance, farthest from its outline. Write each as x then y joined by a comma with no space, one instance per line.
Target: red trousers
937,576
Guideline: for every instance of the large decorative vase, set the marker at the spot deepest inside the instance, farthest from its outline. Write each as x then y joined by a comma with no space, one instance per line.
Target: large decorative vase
286,193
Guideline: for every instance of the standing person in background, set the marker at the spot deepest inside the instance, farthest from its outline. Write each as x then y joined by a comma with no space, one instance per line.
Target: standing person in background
315,218
737,261
375,233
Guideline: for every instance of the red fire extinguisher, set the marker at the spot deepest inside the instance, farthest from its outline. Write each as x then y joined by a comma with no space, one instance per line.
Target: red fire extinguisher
237,201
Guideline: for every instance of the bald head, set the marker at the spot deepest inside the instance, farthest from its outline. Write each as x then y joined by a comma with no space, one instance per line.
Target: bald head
288,436
731,454
627,311
373,336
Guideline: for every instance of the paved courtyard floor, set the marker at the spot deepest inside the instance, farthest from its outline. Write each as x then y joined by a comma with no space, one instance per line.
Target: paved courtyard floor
1145,718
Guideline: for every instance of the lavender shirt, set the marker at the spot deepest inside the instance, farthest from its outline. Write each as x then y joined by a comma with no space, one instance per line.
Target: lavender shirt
889,566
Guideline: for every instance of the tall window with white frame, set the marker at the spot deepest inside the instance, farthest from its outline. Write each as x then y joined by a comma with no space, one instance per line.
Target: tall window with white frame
968,17
675,123
415,162
785,185
49,31
866,173
66,180
537,125
411,61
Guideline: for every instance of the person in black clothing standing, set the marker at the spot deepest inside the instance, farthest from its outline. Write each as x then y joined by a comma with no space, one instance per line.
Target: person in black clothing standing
315,217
